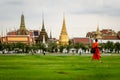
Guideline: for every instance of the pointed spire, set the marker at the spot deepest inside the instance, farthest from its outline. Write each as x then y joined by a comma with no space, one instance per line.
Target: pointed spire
43,26
22,25
64,31
22,30
42,33
50,35
63,39
98,33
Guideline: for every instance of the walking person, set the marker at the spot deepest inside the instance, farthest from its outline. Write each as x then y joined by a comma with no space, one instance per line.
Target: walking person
44,52
96,54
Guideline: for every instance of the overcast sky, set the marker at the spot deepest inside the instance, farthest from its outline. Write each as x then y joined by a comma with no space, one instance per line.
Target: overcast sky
81,16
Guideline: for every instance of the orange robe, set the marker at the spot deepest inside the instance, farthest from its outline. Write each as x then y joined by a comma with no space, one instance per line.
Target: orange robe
96,55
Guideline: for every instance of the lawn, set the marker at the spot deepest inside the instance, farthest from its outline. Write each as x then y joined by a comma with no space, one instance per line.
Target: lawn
48,67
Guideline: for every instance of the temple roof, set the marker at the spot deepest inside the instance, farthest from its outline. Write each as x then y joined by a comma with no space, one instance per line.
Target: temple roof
82,40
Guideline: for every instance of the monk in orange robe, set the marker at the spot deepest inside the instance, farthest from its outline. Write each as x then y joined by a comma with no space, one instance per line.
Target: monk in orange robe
96,55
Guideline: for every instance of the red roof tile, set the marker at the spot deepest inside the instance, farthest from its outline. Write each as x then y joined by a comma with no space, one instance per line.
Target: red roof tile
82,40
110,38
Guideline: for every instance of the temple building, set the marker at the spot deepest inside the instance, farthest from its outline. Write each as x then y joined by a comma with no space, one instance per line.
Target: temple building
21,35
43,37
83,40
63,39
105,35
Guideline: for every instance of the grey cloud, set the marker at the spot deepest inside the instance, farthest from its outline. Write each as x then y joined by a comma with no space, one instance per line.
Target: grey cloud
111,12
104,8
14,2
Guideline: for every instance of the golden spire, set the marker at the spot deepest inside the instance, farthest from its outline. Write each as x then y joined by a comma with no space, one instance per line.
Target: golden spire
63,40
22,25
64,31
98,33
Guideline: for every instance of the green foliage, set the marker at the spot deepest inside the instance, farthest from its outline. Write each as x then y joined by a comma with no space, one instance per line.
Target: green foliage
36,67
117,47
79,45
61,47
111,47
68,47
52,47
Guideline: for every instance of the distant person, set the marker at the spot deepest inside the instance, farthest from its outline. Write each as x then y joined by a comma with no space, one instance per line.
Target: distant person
96,54
43,52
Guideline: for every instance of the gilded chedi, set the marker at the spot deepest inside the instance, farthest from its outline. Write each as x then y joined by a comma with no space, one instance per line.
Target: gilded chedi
63,39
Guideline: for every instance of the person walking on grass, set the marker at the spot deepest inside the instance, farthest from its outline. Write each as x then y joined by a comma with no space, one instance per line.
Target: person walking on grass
96,54
44,52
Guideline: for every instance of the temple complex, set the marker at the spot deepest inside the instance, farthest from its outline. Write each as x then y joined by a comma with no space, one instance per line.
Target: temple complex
40,36
21,35
63,39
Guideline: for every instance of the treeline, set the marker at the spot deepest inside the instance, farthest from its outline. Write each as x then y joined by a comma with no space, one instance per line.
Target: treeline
108,47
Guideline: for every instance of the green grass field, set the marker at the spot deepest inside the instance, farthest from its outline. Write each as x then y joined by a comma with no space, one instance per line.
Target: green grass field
39,67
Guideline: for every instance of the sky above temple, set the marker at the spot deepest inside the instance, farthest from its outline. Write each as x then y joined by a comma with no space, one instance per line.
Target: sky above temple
82,16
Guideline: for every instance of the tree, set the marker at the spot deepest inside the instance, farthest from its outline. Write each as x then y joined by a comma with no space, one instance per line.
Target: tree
1,47
68,47
117,47
110,46
4,47
33,48
52,47
42,46
20,47
61,47
77,46
27,48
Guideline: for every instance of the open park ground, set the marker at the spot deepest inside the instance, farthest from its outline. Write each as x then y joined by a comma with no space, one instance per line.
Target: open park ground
58,67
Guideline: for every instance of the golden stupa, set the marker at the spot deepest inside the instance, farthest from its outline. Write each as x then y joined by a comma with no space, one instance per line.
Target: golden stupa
98,34
63,39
